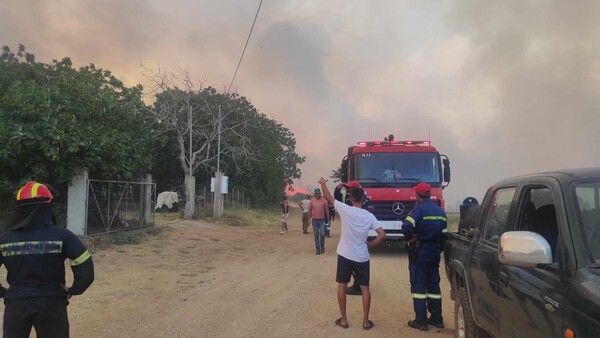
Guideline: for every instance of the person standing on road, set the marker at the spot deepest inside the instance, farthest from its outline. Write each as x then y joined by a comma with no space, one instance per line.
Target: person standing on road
425,229
34,250
318,213
285,212
353,250
305,204
344,197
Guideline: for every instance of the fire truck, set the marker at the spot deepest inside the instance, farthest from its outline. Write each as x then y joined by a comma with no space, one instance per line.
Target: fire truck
387,170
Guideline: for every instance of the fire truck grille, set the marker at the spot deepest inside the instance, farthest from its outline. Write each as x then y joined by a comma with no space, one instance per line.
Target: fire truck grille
384,211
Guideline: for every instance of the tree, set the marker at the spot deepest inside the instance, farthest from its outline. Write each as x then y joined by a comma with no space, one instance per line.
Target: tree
267,179
55,120
257,153
336,175
196,117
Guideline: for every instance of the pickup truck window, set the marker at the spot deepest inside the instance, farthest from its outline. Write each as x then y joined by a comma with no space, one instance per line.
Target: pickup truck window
537,213
497,214
588,205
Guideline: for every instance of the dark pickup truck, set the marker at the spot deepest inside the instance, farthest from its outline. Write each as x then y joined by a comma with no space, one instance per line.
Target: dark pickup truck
526,263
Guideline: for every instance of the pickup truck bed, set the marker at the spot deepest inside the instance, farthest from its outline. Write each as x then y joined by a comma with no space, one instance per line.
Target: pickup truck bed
456,250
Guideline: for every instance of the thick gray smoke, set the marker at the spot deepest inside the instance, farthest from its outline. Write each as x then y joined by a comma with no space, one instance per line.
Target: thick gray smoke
502,88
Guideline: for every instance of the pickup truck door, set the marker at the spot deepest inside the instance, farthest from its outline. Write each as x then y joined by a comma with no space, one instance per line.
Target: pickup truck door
483,262
531,300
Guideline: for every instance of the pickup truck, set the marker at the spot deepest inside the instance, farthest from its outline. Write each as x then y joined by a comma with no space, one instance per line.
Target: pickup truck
526,262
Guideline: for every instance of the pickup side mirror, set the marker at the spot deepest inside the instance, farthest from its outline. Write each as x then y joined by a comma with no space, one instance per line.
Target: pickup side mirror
525,249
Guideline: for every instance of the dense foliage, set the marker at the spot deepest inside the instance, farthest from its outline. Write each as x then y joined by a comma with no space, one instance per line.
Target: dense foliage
56,119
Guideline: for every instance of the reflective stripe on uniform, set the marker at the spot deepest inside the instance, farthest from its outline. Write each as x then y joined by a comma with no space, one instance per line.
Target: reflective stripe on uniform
31,248
420,296
434,296
84,257
444,230
434,218
411,220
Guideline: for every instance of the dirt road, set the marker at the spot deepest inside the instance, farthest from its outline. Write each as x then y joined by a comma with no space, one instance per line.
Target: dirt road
201,280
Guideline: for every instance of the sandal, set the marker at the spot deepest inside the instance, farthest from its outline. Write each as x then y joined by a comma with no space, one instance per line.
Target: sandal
370,326
338,322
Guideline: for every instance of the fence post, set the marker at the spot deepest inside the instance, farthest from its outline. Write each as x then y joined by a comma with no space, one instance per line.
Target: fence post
77,203
147,205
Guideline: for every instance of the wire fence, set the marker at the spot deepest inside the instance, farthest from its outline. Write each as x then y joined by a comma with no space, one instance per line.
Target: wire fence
116,206
234,198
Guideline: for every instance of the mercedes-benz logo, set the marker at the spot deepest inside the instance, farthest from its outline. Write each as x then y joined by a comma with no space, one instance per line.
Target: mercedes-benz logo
398,208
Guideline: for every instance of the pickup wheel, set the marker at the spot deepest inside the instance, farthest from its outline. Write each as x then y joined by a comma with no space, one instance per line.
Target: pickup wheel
464,324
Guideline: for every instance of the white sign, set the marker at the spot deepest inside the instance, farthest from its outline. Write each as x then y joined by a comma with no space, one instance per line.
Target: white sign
224,184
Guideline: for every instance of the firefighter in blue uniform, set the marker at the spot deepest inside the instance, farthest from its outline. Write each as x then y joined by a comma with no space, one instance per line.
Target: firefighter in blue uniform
425,229
34,251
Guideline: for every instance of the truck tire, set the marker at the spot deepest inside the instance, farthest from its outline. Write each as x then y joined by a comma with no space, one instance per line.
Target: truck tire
464,324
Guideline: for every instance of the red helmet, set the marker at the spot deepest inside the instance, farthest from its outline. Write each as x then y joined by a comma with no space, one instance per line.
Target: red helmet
34,193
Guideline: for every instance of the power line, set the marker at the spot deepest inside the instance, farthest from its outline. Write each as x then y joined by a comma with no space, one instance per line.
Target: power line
246,45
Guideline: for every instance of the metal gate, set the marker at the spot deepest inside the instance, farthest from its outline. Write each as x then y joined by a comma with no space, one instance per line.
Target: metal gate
116,206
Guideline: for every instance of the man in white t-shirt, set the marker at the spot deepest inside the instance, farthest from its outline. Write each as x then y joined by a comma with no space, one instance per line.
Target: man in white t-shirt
305,204
353,249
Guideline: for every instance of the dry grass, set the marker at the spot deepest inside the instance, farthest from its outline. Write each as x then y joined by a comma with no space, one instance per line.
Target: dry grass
161,218
253,217
121,238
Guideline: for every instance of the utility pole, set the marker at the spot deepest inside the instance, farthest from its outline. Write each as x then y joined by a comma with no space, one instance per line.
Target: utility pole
218,199
190,206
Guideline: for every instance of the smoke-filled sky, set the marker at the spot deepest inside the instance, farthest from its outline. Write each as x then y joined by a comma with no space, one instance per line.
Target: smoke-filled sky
502,87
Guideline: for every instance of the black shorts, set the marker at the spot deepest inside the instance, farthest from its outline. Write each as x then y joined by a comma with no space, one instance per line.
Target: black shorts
346,267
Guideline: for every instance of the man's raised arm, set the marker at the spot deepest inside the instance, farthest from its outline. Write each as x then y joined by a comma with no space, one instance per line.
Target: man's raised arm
326,193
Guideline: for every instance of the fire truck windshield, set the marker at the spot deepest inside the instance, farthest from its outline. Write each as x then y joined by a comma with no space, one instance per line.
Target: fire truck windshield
400,168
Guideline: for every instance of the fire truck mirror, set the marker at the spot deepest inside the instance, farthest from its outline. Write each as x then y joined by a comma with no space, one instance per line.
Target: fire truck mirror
446,170
344,170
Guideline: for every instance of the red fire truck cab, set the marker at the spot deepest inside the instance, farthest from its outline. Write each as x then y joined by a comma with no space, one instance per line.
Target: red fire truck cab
387,170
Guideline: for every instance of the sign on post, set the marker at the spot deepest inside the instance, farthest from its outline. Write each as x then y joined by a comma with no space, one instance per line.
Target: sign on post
224,184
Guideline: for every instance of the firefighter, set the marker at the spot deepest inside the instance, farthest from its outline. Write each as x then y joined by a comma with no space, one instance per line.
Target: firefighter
425,230
34,250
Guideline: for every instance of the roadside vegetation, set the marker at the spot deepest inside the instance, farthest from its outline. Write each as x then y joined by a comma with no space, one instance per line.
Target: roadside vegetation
243,216
123,237
57,118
